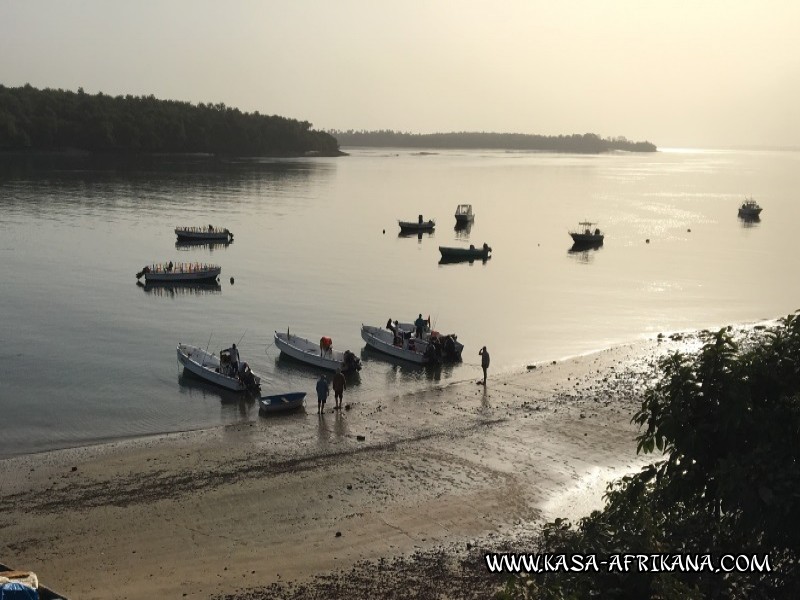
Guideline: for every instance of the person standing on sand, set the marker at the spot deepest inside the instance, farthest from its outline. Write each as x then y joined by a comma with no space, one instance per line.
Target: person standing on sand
322,393
484,354
339,386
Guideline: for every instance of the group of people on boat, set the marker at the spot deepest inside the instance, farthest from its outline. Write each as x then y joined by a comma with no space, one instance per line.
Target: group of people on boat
437,346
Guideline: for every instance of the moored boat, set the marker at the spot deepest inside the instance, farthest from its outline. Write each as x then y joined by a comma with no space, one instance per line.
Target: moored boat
588,233
417,226
204,234
281,402
177,272
225,370
440,346
749,208
456,254
464,214
319,354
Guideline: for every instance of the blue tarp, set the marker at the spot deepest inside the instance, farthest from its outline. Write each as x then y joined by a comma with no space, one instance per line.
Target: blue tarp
17,591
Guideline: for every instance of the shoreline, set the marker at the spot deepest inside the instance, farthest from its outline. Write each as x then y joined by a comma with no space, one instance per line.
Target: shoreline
235,509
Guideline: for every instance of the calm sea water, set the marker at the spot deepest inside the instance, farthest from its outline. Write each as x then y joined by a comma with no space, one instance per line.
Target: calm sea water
87,355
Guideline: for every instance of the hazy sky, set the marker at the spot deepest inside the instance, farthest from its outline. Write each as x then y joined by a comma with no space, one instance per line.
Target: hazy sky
675,72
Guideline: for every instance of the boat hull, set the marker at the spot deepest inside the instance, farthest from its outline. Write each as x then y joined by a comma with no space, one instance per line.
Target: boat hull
204,236
206,366
278,403
308,352
415,226
463,254
182,276
587,238
749,212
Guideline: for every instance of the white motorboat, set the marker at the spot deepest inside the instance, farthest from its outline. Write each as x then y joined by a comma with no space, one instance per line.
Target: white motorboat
749,208
464,214
204,234
319,354
399,346
179,272
446,346
220,370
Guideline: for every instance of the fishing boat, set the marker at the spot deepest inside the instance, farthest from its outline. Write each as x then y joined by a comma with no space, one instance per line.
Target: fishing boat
464,214
398,340
588,233
319,354
178,272
204,234
387,342
749,209
458,254
418,226
281,402
24,584
223,370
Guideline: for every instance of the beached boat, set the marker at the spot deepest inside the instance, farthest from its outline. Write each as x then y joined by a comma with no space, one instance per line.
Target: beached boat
281,402
319,354
204,234
587,233
464,214
749,208
24,584
457,254
398,340
220,370
387,342
418,226
178,272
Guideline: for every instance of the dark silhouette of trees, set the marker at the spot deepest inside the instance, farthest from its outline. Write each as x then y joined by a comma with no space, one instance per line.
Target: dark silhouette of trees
55,120
587,143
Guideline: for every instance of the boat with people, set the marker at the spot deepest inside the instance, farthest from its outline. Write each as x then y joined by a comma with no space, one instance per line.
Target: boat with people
204,234
225,370
319,354
399,340
459,254
587,233
418,226
281,402
749,208
464,214
179,272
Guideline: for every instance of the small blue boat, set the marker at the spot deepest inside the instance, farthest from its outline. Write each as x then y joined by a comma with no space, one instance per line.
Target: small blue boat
281,402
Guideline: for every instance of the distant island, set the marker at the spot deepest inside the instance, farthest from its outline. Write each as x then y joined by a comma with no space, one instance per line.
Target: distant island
587,143
48,120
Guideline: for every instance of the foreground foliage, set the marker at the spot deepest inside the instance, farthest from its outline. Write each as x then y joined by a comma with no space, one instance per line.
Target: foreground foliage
728,423
48,120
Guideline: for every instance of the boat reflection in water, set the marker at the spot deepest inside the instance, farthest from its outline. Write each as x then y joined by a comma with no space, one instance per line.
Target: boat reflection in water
244,403
173,289
749,220
462,230
584,251
183,244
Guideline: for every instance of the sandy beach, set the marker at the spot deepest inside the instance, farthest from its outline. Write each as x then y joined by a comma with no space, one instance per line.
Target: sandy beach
238,513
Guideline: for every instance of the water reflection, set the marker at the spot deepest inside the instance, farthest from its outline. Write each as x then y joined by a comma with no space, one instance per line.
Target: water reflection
583,252
169,289
417,234
749,221
293,367
191,384
463,230
452,260
185,245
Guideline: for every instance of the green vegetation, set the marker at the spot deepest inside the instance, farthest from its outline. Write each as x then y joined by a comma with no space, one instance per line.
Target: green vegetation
57,120
728,423
588,143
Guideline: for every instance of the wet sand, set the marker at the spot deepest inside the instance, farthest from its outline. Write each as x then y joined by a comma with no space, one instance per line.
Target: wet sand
297,506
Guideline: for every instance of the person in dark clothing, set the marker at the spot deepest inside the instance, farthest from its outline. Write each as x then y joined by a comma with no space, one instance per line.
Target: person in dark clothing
322,393
484,362
339,386
420,325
